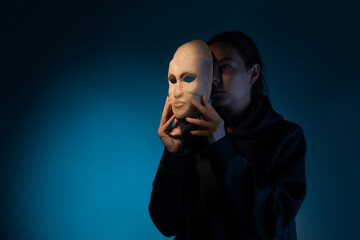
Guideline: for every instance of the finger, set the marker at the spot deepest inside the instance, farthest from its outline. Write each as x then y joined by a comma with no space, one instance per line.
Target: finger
167,124
202,109
176,122
167,112
207,104
204,133
175,133
198,122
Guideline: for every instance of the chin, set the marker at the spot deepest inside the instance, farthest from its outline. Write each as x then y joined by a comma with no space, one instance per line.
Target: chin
186,112
219,102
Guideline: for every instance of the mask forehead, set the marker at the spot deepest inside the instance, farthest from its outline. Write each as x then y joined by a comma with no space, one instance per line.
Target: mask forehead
190,57
194,65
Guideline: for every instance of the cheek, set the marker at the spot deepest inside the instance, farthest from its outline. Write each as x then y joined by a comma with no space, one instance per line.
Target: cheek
189,91
187,99
191,88
171,95
171,89
238,85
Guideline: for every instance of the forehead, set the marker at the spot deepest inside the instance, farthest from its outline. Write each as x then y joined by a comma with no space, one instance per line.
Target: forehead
222,50
187,63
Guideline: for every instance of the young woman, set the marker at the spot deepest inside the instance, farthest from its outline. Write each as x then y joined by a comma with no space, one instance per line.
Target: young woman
241,174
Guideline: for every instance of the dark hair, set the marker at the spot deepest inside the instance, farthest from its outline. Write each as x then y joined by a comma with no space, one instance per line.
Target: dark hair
250,55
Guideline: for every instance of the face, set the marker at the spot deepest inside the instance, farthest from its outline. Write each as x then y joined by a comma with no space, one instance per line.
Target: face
190,76
232,80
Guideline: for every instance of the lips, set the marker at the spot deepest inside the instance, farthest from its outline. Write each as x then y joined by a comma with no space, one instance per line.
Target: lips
178,104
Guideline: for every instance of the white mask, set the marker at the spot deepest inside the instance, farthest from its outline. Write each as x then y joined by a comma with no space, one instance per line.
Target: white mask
190,76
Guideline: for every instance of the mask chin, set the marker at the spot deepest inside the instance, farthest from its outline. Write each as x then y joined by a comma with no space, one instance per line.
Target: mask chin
189,112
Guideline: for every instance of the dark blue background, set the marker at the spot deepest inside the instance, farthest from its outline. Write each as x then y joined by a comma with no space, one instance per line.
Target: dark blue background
83,87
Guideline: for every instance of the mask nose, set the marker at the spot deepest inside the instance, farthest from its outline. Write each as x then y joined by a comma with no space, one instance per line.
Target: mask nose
178,90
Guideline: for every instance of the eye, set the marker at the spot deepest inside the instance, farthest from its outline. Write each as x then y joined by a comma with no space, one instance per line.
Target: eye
172,80
189,79
226,67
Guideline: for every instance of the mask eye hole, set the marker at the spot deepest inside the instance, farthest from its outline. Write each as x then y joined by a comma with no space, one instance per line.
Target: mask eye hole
172,79
189,79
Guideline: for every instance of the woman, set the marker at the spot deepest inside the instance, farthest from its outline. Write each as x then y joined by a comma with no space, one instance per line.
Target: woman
241,174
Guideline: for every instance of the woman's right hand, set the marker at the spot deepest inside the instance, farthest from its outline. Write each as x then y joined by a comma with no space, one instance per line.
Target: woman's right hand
170,136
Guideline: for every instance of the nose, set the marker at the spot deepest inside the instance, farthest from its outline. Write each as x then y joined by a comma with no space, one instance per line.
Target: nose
178,91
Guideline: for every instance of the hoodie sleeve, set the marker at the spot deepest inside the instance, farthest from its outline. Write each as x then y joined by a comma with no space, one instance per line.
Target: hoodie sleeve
264,208
166,203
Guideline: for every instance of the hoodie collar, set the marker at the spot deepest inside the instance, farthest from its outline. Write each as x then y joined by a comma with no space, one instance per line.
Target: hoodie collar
261,115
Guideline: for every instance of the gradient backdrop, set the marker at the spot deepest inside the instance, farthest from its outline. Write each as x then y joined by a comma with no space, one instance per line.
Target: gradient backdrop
83,85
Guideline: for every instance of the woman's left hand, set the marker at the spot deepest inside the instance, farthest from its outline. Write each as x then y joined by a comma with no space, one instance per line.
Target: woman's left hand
210,121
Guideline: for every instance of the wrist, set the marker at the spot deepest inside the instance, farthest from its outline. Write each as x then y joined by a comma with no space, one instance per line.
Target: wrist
180,150
215,139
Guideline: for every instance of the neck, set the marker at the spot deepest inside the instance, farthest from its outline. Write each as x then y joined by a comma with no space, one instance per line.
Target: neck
234,113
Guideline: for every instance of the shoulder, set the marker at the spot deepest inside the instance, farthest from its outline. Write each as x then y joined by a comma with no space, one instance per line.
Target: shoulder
278,121
291,127
285,135
293,138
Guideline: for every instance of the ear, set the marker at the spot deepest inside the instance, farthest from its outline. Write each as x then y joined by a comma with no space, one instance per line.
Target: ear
254,73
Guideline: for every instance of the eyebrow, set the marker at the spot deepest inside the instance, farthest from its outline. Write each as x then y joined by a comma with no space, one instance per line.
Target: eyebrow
187,74
225,59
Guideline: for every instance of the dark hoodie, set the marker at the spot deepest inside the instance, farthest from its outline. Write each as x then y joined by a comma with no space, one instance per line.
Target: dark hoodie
249,184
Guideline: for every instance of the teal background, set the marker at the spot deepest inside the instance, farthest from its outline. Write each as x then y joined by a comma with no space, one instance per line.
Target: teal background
83,85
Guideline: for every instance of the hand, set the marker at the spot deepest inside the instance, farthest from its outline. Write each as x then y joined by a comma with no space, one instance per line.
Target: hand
170,136
210,121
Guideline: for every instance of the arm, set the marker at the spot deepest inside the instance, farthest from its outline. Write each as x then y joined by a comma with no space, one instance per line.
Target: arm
265,209
168,194
166,204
